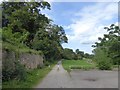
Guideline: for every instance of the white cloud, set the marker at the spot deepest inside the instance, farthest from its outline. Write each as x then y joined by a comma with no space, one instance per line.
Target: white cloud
2,1
91,22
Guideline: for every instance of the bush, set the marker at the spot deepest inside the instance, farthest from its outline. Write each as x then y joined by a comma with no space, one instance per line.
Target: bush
46,63
13,70
7,74
39,67
82,67
102,59
20,71
103,65
116,61
7,69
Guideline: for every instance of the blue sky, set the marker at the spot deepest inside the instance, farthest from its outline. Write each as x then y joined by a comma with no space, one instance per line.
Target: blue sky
83,22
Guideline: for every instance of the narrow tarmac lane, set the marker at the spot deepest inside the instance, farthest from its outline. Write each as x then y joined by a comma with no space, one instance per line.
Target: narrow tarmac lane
56,79
79,79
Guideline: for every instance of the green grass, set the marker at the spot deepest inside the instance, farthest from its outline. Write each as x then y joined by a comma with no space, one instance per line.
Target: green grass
20,49
33,78
77,64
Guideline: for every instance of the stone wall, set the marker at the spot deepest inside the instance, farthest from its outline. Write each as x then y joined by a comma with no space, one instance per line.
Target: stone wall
8,59
30,61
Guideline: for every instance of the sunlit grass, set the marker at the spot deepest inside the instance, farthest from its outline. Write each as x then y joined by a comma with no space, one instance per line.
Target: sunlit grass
77,64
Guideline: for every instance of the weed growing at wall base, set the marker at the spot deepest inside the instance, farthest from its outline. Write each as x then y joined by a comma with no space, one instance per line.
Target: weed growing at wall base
32,79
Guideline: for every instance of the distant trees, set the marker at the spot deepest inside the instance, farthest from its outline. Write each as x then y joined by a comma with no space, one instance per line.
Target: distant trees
77,55
87,55
69,54
107,50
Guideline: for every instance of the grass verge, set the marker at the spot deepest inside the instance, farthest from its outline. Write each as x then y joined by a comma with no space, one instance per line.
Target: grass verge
20,49
33,78
77,64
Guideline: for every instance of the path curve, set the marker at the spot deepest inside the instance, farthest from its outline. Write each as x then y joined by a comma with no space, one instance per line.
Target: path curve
56,79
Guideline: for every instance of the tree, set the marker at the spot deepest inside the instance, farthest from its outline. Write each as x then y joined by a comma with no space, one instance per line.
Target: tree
57,33
110,44
79,54
24,16
69,54
26,24
49,41
102,59
114,43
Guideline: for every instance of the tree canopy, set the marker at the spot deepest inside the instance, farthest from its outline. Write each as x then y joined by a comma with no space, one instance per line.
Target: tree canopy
109,45
23,23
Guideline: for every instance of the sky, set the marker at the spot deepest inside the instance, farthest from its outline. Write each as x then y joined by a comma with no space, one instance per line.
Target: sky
83,22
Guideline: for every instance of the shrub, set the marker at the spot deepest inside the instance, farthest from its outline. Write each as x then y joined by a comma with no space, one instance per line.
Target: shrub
102,60
39,66
7,74
103,65
7,69
116,61
46,63
82,67
13,70
20,71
